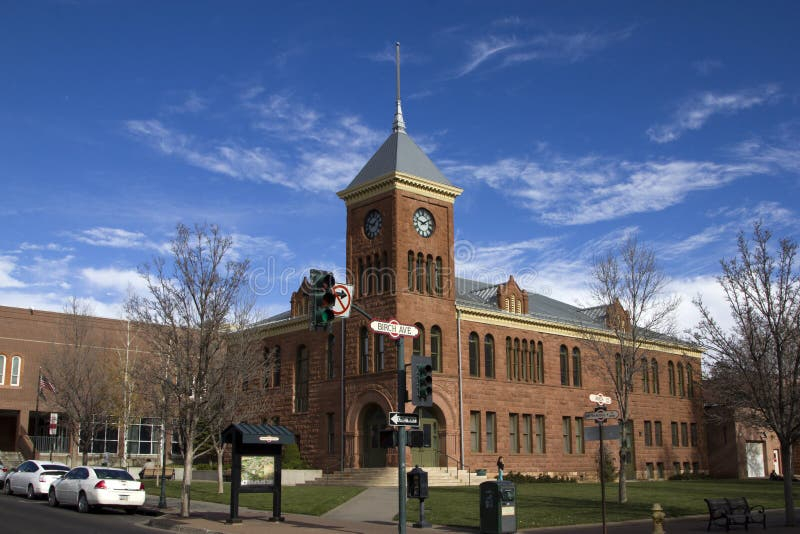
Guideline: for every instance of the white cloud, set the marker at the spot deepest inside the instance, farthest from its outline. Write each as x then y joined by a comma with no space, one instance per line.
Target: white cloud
7,267
193,103
695,112
103,236
698,241
590,189
712,295
43,271
482,50
259,247
704,67
117,280
52,247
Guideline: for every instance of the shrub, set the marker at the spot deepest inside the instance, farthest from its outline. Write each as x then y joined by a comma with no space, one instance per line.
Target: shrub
609,468
520,478
292,459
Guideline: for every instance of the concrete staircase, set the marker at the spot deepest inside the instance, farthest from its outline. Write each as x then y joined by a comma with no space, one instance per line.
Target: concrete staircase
387,477
11,459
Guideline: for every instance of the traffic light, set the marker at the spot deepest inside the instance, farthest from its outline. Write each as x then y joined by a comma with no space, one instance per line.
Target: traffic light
322,299
421,381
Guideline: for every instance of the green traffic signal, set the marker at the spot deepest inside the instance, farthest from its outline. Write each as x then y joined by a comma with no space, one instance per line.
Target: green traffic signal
421,381
322,299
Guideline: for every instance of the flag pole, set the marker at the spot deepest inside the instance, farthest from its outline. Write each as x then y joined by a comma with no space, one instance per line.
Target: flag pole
36,421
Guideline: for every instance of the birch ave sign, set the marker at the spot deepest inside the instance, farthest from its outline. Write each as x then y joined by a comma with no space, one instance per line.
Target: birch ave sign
394,329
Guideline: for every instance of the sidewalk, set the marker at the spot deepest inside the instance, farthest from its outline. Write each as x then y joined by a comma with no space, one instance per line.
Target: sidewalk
368,515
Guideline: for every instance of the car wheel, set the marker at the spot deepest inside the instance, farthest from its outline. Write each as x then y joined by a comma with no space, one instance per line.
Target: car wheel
83,504
7,488
30,493
51,497
132,510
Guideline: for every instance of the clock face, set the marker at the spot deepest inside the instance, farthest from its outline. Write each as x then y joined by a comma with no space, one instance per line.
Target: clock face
423,222
372,223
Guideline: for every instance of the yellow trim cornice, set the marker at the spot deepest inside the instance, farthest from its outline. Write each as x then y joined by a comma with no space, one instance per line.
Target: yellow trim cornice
403,182
286,326
527,322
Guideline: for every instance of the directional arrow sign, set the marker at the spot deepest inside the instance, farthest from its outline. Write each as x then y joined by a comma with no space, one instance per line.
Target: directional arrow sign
601,415
403,419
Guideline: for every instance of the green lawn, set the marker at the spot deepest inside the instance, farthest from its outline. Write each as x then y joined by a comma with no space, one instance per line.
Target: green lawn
538,504
311,500
543,504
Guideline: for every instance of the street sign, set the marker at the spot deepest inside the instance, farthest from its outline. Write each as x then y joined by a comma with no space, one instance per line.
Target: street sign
394,329
592,433
599,398
403,419
601,415
343,297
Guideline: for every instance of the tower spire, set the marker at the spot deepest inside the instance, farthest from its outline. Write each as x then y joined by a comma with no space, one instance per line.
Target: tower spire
399,124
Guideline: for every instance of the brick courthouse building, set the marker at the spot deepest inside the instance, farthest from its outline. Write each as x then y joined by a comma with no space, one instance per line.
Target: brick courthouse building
512,372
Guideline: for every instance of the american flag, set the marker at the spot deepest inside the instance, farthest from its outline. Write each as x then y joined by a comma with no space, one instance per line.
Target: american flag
44,383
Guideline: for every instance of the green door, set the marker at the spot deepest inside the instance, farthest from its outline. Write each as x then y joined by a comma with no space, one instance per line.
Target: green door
427,456
374,421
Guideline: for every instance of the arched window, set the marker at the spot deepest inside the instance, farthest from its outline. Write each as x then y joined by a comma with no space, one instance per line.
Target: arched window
301,380
654,367
645,376
540,362
410,271
488,356
525,361
370,274
506,304
671,377
516,359
436,348
361,275
689,381
380,352
474,356
681,381
619,377
519,306
16,369
363,351
429,275
564,360
420,272
2,369
509,354
439,285
418,345
576,367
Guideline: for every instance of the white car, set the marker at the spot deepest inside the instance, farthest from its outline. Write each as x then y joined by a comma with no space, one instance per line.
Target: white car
33,478
91,487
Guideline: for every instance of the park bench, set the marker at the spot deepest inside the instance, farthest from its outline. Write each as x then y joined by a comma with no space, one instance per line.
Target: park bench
735,511
155,472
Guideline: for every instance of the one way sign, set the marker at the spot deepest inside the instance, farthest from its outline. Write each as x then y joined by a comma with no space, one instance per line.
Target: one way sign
403,419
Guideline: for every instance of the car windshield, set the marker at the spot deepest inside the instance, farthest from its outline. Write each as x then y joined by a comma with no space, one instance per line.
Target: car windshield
113,474
55,467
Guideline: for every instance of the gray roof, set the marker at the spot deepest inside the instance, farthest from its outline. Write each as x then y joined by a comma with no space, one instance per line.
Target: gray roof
477,294
399,153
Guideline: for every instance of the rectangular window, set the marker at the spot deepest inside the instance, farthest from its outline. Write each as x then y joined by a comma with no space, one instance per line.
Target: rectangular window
650,472
331,433
143,437
676,468
693,434
513,432
674,427
660,469
475,431
540,440
579,435
648,433
15,363
491,432
659,440
566,434
527,438
380,351
687,468
695,468
105,437
684,435
329,355
564,360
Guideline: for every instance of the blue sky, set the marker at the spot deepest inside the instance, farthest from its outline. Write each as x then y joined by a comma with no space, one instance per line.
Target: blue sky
569,125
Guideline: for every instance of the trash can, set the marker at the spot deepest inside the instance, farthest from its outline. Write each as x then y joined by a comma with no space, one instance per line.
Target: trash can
498,507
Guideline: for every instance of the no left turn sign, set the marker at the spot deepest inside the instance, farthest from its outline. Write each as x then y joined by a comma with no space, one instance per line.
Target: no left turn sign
343,296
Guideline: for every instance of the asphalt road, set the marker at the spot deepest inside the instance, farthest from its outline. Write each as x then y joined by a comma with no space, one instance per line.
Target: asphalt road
19,515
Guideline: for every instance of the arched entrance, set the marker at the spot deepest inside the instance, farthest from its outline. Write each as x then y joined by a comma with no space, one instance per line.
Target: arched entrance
429,424
373,420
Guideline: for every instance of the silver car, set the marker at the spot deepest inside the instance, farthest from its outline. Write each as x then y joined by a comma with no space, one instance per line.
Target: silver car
33,478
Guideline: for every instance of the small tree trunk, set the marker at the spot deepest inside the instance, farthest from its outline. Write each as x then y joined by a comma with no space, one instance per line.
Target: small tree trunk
220,474
186,489
788,472
623,487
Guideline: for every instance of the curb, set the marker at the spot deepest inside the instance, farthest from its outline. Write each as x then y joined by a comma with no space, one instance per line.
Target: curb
175,526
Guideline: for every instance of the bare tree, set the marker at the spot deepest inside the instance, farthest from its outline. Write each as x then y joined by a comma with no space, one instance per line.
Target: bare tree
192,296
757,361
631,291
77,369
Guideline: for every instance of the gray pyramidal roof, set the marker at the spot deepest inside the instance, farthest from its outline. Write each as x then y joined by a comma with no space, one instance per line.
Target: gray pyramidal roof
399,153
